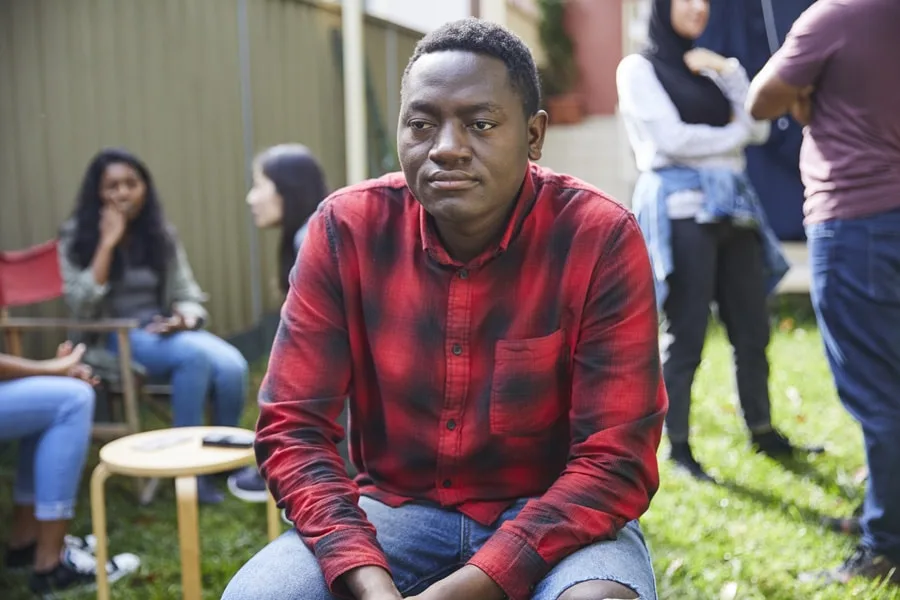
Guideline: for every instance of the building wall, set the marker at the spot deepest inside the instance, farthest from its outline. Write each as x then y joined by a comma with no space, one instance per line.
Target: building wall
522,17
162,78
419,14
596,28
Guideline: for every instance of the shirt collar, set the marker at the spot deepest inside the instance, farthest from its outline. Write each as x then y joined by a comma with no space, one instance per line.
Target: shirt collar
433,246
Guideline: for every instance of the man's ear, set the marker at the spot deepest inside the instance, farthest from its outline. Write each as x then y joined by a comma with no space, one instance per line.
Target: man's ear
537,129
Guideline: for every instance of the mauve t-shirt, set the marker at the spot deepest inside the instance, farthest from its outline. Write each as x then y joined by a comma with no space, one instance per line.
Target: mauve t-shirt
849,50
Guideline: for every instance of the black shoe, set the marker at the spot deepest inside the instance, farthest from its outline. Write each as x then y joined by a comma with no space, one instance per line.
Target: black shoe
775,445
77,570
65,577
18,559
249,486
208,492
865,563
684,461
844,525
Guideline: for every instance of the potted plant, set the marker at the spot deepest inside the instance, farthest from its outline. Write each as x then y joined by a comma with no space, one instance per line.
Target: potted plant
559,75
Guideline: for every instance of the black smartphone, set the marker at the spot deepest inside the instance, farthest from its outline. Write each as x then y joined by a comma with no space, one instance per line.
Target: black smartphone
229,440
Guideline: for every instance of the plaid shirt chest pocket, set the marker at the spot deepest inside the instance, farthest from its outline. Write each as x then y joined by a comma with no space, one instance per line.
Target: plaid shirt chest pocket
528,390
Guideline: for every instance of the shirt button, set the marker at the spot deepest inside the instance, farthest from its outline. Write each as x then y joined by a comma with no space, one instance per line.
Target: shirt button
457,349
447,483
451,424
463,274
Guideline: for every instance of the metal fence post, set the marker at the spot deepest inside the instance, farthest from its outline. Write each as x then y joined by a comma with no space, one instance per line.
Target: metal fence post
255,282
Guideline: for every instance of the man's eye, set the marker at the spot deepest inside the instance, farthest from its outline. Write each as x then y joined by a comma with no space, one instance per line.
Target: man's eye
483,125
419,125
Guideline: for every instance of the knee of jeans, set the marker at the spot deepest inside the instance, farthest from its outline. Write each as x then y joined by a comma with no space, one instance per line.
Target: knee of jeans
81,401
599,590
196,360
254,583
235,366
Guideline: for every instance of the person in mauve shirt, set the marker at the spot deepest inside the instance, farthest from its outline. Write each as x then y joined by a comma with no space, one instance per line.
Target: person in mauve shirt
494,326
837,72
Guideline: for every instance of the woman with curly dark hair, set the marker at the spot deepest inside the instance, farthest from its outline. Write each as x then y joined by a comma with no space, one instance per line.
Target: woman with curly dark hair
120,258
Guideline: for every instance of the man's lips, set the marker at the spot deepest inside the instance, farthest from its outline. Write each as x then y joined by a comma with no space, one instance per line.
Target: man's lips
452,181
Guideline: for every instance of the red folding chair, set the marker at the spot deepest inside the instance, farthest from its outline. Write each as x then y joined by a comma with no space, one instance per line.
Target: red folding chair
32,276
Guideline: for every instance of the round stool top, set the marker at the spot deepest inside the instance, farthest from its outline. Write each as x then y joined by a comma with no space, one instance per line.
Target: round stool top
174,452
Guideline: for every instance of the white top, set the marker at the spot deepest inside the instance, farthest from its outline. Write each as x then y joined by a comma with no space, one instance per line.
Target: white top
660,138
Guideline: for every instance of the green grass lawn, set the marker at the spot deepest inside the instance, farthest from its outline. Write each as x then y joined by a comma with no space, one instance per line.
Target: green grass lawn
748,539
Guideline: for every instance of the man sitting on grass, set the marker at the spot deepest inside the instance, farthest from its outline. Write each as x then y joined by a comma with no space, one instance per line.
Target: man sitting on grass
495,328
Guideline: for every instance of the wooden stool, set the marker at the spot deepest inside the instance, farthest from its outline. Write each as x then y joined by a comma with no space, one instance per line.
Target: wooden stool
177,453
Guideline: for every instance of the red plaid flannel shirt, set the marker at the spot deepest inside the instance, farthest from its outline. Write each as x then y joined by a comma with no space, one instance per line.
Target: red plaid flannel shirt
530,372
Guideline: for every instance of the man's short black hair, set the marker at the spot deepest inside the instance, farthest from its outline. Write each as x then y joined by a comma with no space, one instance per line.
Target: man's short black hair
490,39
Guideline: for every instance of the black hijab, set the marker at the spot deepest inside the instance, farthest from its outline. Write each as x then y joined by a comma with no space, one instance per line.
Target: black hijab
697,98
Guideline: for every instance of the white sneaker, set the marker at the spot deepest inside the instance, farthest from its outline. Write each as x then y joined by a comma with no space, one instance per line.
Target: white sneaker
117,567
87,543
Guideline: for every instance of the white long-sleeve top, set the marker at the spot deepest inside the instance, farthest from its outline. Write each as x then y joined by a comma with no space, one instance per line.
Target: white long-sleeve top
659,138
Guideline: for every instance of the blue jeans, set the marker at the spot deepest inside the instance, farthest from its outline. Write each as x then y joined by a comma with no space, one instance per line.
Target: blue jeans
855,268
199,365
51,417
424,544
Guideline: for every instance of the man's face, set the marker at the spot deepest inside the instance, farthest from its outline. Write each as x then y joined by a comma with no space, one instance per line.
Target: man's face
463,138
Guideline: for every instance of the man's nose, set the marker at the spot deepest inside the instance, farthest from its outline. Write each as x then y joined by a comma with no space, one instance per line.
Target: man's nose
451,145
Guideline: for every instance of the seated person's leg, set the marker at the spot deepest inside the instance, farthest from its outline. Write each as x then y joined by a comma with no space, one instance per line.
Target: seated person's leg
190,372
186,366
229,375
52,416
618,568
422,545
283,570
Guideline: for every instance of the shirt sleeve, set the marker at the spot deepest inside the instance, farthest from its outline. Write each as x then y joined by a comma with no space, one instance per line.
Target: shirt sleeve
643,98
810,44
735,84
82,293
184,292
618,405
300,400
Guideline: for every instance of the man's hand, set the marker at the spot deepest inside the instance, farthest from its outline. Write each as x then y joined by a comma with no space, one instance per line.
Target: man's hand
470,582
371,583
165,326
701,59
802,107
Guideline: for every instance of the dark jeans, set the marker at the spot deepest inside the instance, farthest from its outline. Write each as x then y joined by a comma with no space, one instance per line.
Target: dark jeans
856,294
722,263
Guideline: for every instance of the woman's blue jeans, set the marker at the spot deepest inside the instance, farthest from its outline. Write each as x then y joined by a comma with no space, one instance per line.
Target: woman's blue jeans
51,417
199,365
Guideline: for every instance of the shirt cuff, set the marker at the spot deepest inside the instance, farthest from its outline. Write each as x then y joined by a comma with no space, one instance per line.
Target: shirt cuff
734,81
345,550
512,564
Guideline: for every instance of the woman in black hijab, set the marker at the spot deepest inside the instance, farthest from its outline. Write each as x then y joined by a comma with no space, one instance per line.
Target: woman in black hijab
708,236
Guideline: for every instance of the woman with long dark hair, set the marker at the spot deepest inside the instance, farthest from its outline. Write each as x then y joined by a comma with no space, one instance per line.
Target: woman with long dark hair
121,259
288,185
708,236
